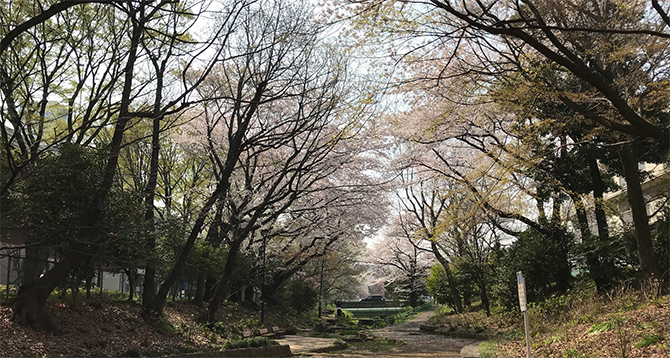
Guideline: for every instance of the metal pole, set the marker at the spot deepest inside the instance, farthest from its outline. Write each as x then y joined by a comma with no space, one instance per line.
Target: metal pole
525,323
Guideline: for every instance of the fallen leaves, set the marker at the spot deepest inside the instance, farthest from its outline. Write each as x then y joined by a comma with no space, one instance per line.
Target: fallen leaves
107,329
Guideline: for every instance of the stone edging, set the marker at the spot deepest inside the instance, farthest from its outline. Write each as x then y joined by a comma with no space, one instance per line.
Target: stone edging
268,351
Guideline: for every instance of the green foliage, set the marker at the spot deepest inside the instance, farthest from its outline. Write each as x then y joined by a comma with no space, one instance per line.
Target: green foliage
488,349
573,353
52,200
649,339
300,296
545,265
661,241
601,327
8,293
437,284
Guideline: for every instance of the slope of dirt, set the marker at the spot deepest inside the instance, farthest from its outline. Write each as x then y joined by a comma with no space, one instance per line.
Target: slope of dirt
642,332
622,324
112,329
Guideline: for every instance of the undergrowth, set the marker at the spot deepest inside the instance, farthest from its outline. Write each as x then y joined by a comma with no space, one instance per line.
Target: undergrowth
601,319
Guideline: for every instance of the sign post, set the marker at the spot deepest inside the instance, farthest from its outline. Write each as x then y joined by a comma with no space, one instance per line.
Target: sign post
521,283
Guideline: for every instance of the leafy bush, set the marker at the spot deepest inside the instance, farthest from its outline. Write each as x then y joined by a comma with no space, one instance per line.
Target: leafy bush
300,297
437,285
545,264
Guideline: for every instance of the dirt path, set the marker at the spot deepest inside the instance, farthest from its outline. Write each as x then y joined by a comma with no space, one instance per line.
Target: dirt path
417,345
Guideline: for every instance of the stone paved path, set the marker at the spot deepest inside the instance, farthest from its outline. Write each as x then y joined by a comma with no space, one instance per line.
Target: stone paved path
418,345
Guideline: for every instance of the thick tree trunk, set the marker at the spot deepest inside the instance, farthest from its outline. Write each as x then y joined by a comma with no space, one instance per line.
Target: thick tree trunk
598,192
564,279
199,298
222,287
29,308
483,294
638,207
35,263
450,278
149,196
599,274
74,287
132,275
89,283
607,267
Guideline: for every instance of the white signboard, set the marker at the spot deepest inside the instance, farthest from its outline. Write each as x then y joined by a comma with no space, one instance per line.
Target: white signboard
521,283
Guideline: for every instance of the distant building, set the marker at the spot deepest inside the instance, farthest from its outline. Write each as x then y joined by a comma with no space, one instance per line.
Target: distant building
656,189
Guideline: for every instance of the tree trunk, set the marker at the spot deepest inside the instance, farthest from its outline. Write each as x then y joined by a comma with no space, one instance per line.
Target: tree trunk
599,274
89,283
222,287
74,287
598,192
638,207
132,275
450,278
29,308
604,254
35,263
149,196
564,279
199,298
484,296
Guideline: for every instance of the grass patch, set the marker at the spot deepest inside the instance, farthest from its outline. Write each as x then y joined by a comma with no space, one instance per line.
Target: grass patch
489,349
649,339
601,327
573,353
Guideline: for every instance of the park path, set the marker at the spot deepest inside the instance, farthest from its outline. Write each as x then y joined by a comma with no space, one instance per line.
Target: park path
417,344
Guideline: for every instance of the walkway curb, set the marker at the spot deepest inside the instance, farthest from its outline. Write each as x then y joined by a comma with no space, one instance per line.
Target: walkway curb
300,344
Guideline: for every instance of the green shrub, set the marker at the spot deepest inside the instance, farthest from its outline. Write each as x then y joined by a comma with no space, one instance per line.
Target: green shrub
545,263
300,296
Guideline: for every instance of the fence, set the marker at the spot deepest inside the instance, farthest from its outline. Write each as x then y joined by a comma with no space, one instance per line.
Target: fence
108,278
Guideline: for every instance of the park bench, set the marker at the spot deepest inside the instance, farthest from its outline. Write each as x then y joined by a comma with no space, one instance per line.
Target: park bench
246,334
278,332
264,332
